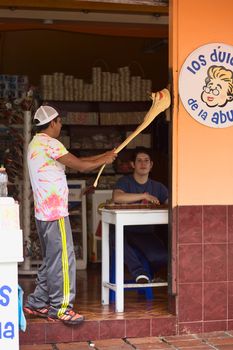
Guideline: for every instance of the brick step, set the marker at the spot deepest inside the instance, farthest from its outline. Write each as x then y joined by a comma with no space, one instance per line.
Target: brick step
40,331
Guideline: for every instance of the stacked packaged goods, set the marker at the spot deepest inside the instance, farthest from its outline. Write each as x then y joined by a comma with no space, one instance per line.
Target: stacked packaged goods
13,86
103,86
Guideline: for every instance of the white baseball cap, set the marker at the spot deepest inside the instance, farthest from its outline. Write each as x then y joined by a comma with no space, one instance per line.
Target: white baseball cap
45,114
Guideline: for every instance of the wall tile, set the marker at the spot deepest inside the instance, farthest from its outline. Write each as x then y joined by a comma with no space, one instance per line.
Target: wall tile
190,302
112,329
138,328
190,327
215,326
204,300
163,326
190,224
173,266
58,332
230,300
230,223
35,332
215,301
87,330
230,325
215,262
230,262
215,223
190,263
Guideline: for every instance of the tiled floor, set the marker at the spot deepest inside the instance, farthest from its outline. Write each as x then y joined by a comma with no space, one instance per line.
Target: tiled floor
88,300
216,340
141,318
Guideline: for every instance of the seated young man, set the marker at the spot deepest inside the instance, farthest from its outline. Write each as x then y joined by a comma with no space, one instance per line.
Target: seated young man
139,188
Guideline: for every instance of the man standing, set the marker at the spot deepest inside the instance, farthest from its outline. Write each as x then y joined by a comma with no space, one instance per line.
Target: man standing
55,292
139,188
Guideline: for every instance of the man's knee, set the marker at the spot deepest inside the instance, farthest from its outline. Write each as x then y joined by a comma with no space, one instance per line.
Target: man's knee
159,259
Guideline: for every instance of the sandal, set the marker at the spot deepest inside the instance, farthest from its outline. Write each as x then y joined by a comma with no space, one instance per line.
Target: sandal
69,317
41,312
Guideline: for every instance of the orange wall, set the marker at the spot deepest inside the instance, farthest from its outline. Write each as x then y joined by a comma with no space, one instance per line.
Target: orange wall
202,156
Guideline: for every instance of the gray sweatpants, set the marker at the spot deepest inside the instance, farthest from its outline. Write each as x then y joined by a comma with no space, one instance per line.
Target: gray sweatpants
56,279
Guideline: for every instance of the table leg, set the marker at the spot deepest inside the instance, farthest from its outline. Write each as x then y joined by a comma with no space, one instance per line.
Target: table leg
105,263
119,266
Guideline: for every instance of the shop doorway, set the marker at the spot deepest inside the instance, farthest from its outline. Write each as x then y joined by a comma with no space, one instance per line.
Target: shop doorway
32,48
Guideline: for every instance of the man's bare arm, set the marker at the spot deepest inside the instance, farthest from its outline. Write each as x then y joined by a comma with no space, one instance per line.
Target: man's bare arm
86,164
93,157
120,196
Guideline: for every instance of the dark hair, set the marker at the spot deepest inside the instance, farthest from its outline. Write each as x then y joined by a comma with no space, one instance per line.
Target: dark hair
39,128
140,149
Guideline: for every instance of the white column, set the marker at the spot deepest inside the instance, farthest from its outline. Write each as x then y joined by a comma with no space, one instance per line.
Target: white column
26,204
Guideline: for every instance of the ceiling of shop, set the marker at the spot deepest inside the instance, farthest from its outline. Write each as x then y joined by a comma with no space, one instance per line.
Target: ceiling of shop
141,26
140,17
130,6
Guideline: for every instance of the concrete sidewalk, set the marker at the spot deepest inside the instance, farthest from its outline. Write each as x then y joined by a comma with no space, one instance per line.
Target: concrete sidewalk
204,341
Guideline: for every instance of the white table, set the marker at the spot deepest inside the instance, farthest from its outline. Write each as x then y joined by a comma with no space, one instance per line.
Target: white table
121,218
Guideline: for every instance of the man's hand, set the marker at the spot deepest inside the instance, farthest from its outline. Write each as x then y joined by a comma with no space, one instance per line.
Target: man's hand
150,199
110,156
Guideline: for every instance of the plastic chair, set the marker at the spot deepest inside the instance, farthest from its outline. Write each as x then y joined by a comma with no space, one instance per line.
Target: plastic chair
147,291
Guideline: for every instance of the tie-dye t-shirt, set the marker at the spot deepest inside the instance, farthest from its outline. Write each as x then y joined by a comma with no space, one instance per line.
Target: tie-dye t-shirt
48,177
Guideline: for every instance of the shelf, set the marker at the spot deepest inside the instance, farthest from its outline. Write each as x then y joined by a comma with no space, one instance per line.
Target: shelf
103,126
98,150
92,128
86,176
15,126
101,106
77,203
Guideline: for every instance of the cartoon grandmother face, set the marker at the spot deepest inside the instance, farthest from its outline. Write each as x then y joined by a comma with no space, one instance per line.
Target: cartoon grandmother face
218,90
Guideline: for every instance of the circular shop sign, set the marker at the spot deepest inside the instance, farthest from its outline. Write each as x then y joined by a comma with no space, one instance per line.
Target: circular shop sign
206,85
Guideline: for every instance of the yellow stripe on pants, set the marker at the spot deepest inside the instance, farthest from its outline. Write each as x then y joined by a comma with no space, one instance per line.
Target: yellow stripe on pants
65,269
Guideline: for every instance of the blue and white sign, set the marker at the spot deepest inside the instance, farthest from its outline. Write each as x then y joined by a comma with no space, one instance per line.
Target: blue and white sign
11,252
206,85
9,329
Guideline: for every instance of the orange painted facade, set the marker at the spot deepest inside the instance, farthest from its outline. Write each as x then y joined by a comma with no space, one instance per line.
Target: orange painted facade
202,156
